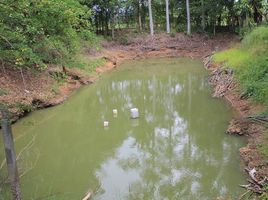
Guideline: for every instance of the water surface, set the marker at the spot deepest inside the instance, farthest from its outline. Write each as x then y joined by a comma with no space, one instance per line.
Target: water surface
177,149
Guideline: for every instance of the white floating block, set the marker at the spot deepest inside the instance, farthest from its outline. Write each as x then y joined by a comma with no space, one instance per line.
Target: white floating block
105,123
134,112
115,111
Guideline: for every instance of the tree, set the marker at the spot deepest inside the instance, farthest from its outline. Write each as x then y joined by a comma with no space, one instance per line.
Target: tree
203,15
167,16
151,18
13,175
35,33
188,18
139,15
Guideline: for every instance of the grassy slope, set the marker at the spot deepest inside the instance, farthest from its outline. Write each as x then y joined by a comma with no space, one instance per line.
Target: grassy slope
249,60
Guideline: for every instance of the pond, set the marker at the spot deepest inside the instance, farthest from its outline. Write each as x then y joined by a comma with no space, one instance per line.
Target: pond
176,149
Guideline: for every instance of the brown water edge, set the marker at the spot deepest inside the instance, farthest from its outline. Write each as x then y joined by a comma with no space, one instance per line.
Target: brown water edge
226,87
38,94
49,124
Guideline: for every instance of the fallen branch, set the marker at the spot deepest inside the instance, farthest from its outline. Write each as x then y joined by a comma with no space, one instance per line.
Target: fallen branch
32,166
28,146
90,193
88,196
254,185
260,119
244,194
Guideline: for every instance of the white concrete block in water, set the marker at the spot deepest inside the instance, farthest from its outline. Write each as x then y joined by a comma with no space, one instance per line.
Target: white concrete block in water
105,123
134,112
115,111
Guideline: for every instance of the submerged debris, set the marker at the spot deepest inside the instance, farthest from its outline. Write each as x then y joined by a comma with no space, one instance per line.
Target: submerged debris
223,81
255,185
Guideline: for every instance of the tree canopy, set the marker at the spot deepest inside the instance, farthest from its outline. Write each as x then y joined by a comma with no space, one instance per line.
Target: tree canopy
33,33
38,32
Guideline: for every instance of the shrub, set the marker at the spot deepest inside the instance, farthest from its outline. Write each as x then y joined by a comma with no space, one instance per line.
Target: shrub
250,64
34,33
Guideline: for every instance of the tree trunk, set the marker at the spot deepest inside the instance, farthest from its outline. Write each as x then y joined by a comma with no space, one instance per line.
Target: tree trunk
172,14
188,18
203,16
112,26
151,18
167,16
143,15
106,23
139,16
23,80
10,156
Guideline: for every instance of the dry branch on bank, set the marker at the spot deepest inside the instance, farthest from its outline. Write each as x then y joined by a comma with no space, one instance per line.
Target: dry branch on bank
255,185
223,81
259,119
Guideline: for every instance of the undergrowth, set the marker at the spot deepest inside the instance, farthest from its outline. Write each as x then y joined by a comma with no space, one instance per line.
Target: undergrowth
86,64
250,64
263,147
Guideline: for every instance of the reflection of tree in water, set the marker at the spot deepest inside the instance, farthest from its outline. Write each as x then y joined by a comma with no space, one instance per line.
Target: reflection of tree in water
174,156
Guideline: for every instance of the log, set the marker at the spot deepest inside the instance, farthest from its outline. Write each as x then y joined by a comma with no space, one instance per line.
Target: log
88,196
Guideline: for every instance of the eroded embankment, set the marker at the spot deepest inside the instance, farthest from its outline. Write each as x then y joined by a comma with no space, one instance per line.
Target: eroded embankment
243,124
26,91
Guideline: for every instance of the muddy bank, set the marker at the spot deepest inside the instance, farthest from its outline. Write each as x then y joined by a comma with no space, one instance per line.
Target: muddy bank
27,90
243,123
38,91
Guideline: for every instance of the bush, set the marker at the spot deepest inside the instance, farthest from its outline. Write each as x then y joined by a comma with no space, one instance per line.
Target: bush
257,41
35,33
250,64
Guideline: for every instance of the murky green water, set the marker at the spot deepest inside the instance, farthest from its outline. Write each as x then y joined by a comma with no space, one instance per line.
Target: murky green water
177,149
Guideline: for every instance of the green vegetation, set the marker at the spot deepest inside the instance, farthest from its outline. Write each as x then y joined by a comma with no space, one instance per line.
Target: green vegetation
250,64
263,147
36,33
86,64
3,91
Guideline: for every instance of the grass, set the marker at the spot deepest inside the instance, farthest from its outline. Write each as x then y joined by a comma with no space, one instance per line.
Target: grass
86,64
3,91
263,147
250,64
233,57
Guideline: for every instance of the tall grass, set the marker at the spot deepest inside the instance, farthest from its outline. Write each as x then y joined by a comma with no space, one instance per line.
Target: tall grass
250,64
